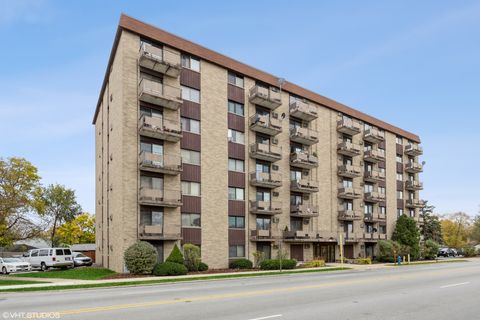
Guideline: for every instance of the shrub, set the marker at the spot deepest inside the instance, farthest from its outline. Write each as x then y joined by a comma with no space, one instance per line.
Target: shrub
202,266
175,256
192,256
469,251
274,264
258,257
314,264
430,250
169,269
387,250
140,257
241,264
366,260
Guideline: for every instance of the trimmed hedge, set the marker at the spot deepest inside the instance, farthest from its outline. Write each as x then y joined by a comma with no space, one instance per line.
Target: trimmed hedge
274,264
202,266
192,256
314,264
140,257
241,264
366,260
169,269
176,256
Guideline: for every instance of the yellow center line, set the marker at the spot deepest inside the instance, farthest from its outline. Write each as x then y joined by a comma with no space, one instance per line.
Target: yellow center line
253,293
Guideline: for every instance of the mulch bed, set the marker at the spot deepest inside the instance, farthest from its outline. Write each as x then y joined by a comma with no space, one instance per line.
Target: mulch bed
212,271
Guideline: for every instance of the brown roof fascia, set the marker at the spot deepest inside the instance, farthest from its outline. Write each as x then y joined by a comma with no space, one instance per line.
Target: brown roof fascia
154,33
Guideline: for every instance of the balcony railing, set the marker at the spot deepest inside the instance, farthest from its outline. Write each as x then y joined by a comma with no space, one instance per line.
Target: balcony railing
348,215
304,136
160,94
415,203
348,126
370,236
349,193
374,217
161,163
374,196
160,232
157,197
161,60
303,160
266,97
303,110
413,150
374,176
262,235
160,128
374,155
349,149
413,167
373,135
265,179
265,152
265,124
350,171
304,210
298,234
352,236
304,186
265,207
413,185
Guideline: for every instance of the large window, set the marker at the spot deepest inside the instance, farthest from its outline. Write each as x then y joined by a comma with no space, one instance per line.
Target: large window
236,251
236,136
190,220
190,125
348,205
263,195
190,94
263,223
236,165
399,212
347,183
151,217
399,158
236,222
151,148
190,62
399,177
190,188
368,208
151,182
236,193
348,227
150,112
236,108
296,199
399,140
235,79
190,157
381,190
399,194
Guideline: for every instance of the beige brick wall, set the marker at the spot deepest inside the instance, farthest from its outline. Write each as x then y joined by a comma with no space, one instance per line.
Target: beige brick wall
391,174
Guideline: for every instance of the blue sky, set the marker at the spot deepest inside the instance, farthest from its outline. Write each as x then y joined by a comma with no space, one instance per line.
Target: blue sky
414,64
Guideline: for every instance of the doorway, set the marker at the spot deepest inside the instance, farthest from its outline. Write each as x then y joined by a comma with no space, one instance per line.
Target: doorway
324,251
296,252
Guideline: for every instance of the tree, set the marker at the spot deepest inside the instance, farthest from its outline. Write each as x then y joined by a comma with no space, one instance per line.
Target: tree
475,231
80,230
176,256
455,229
431,228
19,194
407,235
59,205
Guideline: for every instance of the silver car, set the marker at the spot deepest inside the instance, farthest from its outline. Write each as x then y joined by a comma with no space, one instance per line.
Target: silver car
79,259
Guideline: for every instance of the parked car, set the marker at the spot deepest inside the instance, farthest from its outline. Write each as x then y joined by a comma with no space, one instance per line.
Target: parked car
46,258
8,265
447,252
79,259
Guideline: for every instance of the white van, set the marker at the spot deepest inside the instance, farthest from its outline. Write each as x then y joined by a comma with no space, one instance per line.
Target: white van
49,258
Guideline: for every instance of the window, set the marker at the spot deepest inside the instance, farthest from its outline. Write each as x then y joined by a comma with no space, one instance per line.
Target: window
190,188
150,112
67,252
399,158
190,157
368,188
368,208
399,177
235,79
399,212
294,124
411,195
347,183
34,253
236,222
295,175
296,224
296,199
399,140
348,227
412,212
190,125
43,253
382,170
237,251
236,136
367,147
236,193
399,194
263,223
366,127
381,190
382,229
383,210
236,165
190,62
151,217
369,227
190,220
262,167
348,205
151,182
347,161
190,94
236,108
59,252
263,195
151,148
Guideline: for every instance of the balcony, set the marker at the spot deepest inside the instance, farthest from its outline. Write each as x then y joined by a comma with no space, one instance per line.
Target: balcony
348,126
265,152
304,186
304,210
413,150
162,198
265,97
349,171
303,160
373,135
265,207
349,193
413,167
349,149
265,124
159,232
374,155
303,110
352,237
160,60
413,185
265,179
348,215
374,176
159,94
414,203
304,136
159,128
370,236
160,163
299,234
374,197
261,235
374,217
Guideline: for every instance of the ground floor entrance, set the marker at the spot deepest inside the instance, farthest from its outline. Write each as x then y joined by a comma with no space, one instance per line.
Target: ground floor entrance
348,251
265,248
296,252
370,250
324,251
159,247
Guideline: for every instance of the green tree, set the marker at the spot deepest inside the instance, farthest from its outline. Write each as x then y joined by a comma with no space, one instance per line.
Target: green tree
59,205
475,231
80,230
19,193
455,229
431,228
407,234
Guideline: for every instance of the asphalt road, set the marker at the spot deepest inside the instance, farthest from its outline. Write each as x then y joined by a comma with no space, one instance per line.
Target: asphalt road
442,291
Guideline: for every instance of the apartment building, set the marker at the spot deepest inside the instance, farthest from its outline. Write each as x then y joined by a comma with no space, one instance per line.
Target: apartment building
195,147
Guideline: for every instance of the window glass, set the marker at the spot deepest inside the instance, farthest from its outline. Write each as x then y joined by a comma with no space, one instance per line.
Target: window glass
399,158
383,210
236,251
34,253
348,205
190,94
190,125
368,208
236,222
150,112
399,194
236,193
190,62
236,108
235,79
263,196
151,182
190,156
191,220
59,252
236,136
236,165
43,252
295,175
347,183
190,188
263,223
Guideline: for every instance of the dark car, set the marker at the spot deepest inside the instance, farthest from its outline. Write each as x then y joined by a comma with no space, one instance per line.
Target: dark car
79,259
447,252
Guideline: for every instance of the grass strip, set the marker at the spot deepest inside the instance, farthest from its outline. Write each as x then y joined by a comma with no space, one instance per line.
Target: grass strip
12,282
147,282
76,274
427,263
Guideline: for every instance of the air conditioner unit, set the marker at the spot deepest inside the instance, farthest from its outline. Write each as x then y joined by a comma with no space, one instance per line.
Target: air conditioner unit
306,197
276,220
274,140
275,194
305,173
274,167
274,115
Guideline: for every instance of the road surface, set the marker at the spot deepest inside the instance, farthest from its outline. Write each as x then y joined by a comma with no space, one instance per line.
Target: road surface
441,291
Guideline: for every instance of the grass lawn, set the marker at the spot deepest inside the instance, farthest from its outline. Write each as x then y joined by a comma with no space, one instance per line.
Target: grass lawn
12,282
427,262
76,273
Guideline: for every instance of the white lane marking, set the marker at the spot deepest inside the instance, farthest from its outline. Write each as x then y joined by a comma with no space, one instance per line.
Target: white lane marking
454,285
268,317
